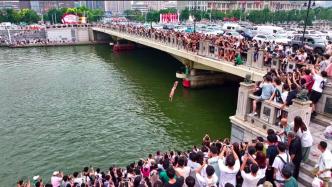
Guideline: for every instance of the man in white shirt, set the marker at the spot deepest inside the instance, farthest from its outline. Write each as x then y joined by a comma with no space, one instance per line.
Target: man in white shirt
210,180
78,180
229,167
56,179
317,88
278,164
324,166
249,179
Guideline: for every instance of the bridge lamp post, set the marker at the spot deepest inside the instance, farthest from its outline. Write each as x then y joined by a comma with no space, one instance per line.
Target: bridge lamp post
195,4
306,19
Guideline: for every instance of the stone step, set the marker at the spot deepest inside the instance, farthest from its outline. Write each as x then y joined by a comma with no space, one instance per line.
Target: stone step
306,169
304,179
322,120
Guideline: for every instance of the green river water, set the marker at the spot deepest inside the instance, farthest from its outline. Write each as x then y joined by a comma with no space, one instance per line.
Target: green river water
63,108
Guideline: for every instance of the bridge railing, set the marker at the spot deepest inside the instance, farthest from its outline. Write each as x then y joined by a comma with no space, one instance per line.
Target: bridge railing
268,113
251,58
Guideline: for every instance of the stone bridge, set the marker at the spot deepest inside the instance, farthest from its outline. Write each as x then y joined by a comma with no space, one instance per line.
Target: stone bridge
191,59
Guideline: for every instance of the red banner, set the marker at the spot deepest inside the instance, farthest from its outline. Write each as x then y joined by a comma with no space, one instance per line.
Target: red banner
169,18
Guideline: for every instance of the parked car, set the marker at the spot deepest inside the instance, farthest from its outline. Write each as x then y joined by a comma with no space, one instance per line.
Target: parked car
316,43
264,38
234,34
327,35
246,33
279,38
267,29
189,29
179,28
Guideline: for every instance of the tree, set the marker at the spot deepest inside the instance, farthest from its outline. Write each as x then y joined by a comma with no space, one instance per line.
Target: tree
95,15
153,16
134,15
28,16
184,14
167,10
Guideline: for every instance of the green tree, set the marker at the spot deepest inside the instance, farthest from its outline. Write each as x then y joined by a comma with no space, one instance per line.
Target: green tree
167,10
184,14
153,16
28,16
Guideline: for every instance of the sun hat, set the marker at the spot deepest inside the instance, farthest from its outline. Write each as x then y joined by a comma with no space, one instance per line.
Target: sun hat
55,173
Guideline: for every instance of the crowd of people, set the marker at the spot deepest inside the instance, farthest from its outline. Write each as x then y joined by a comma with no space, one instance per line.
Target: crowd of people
307,78
28,38
268,161
228,48
274,160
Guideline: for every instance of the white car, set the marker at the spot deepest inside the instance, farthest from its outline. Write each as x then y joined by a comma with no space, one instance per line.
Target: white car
234,34
179,28
213,31
264,38
278,38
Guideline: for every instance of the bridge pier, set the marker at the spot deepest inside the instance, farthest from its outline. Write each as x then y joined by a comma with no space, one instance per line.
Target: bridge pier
202,78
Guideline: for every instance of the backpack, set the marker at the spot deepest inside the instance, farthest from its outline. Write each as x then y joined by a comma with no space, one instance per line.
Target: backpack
289,166
322,84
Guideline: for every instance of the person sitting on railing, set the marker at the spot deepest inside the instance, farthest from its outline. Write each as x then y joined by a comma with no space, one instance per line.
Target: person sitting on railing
276,96
291,95
267,91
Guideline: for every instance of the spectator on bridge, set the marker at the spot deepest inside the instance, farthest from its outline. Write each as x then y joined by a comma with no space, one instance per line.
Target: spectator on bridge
317,88
290,96
267,91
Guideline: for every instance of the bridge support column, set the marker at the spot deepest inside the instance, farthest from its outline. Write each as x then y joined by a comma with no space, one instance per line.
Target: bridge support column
250,57
243,103
258,60
91,35
202,78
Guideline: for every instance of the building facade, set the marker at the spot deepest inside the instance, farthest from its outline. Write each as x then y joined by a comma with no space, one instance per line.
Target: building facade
96,5
248,5
10,5
25,4
192,5
140,5
117,7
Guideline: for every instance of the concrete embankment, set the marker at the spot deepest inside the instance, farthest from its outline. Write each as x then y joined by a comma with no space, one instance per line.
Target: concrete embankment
55,44
64,36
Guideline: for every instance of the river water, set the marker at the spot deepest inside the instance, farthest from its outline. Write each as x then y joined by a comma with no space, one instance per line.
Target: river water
63,108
